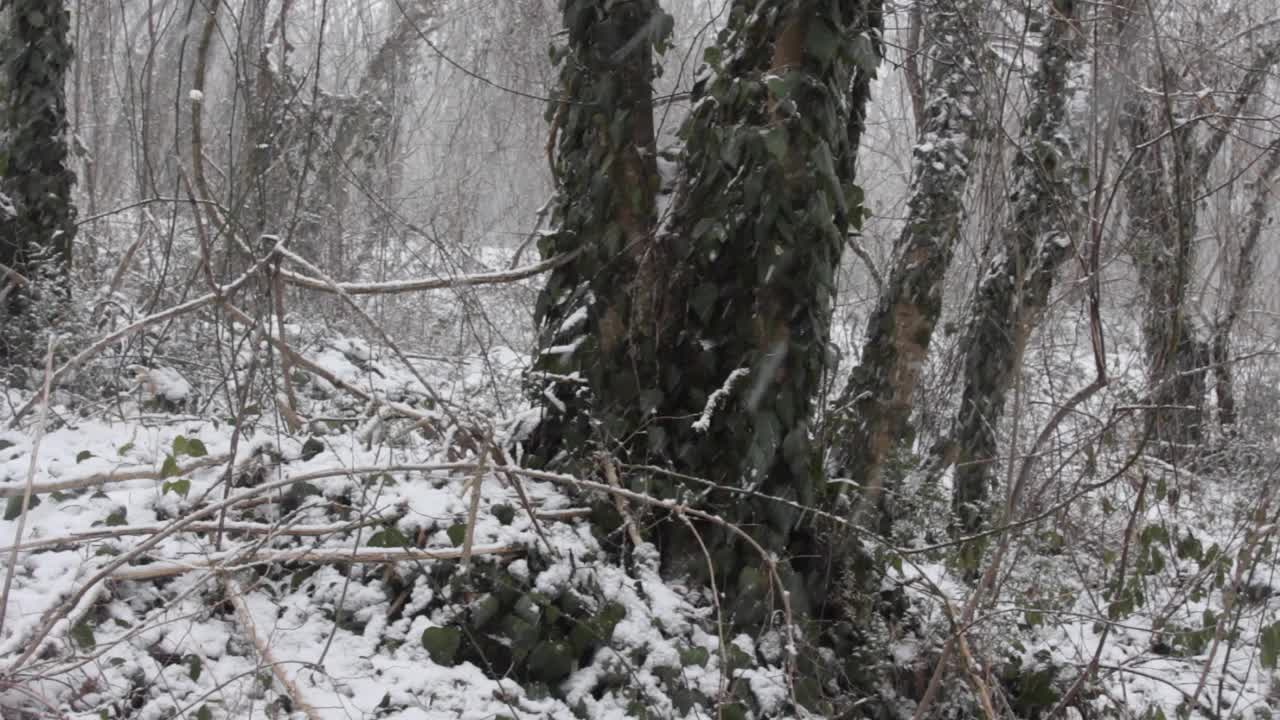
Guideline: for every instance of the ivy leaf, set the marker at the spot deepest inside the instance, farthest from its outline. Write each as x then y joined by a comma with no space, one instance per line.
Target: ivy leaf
864,55
170,468
458,533
822,41
196,449
182,487
390,537
13,508
83,635
442,644
82,456
775,141
194,667
311,448
179,446
125,448
1270,645
204,713
117,518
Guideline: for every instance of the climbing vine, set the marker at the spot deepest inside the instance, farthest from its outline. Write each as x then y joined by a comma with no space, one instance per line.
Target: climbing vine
36,234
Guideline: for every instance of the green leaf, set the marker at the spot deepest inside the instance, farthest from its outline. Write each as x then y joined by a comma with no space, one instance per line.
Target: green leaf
389,537
775,141
82,456
504,513
124,449
179,446
170,467
822,41
83,635
1269,642
442,644
311,448
13,508
696,655
194,667
204,713
864,55
196,449
118,518
780,86
181,487
457,533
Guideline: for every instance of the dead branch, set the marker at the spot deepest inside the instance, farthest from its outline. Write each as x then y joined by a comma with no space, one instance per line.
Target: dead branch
111,476
236,595
399,286
362,556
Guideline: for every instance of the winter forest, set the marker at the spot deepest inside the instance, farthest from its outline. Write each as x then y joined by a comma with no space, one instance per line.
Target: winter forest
603,359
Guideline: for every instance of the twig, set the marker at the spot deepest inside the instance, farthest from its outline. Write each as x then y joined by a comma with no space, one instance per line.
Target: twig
31,476
477,480
611,475
128,330
236,595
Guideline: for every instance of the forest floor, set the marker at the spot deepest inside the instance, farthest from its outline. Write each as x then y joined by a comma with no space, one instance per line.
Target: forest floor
175,564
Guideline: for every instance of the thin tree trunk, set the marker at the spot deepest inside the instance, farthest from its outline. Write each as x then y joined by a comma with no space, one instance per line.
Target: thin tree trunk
1241,278
1162,192
873,411
1046,216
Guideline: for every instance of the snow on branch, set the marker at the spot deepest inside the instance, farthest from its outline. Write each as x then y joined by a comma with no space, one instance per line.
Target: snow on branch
399,286
717,399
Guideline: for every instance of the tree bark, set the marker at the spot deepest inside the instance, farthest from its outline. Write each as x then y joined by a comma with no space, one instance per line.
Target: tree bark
1161,190
872,413
1241,276
701,345
1045,218
593,365
37,221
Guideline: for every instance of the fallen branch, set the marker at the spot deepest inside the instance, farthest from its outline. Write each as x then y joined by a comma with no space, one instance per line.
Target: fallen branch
247,528
236,595
117,475
362,556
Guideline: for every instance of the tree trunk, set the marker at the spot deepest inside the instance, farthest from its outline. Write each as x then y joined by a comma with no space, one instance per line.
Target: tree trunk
1162,190
1163,226
591,373
703,349
37,222
873,411
1045,217
1241,277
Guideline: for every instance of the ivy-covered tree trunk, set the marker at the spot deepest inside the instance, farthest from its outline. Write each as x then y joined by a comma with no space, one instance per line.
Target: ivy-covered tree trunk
872,414
595,369
37,217
1045,215
766,199
701,346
